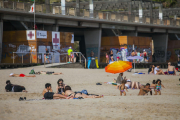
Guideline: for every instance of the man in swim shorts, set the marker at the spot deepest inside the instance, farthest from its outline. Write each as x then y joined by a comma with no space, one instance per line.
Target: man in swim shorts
14,88
145,89
171,69
49,94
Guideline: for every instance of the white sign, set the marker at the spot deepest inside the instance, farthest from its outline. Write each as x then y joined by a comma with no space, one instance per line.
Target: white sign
72,40
41,34
56,40
30,34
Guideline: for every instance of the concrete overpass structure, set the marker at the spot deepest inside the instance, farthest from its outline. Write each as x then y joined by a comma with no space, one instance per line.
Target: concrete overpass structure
89,20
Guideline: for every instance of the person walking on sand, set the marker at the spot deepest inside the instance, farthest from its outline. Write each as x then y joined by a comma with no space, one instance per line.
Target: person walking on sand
122,87
171,69
157,87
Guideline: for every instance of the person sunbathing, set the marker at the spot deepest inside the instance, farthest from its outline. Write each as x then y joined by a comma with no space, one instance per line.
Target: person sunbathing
49,94
145,89
171,69
70,93
20,75
48,73
14,88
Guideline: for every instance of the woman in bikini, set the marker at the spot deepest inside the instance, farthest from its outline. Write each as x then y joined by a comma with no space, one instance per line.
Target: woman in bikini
60,88
70,93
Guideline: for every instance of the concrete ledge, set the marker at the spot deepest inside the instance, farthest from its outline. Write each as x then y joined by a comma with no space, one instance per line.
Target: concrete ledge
88,24
174,31
65,22
159,30
143,29
117,27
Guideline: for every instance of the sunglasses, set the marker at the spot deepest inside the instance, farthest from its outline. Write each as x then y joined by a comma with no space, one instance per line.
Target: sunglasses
60,83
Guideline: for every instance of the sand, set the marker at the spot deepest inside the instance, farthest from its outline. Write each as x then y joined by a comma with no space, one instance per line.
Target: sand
112,106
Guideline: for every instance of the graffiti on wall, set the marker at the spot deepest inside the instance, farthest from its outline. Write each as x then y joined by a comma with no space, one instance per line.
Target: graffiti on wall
159,54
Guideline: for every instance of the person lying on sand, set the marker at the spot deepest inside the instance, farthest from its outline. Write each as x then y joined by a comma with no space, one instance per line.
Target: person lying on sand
20,75
49,94
69,92
60,88
48,73
145,89
14,88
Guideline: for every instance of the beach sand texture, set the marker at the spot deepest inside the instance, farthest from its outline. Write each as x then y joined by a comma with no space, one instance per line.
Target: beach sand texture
112,106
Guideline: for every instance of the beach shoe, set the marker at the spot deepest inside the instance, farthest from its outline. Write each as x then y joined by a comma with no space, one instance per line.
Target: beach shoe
98,84
20,99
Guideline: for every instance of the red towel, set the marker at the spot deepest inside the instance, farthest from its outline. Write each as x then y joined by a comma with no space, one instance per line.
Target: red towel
22,75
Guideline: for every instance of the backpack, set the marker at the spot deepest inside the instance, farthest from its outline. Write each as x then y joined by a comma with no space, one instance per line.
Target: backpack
32,72
85,92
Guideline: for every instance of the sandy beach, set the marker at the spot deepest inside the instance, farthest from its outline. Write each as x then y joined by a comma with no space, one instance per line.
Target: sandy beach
112,106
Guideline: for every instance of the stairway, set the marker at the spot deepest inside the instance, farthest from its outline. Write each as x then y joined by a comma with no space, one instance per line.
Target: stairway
69,65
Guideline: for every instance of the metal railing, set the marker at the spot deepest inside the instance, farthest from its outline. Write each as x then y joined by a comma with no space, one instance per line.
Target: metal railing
43,56
55,9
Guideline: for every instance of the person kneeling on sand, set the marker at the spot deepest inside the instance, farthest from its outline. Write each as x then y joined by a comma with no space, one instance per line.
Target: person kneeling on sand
20,75
14,88
49,94
70,93
145,89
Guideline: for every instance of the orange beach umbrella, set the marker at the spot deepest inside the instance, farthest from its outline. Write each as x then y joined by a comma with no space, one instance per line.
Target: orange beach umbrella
118,67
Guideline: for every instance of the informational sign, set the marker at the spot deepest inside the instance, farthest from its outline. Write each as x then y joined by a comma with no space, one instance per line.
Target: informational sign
56,40
30,34
72,40
41,34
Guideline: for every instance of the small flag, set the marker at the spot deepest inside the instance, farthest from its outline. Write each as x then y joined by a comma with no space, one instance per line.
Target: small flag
32,8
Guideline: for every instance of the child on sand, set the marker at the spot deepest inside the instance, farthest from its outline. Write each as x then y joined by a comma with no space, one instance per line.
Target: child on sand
122,87
158,87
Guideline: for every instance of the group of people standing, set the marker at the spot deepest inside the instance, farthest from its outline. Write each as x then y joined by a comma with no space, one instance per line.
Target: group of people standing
121,55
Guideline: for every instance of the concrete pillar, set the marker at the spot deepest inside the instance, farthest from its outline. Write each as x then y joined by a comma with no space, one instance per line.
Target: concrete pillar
47,3
1,37
160,14
93,42
129,10
63,8
91,8
160,46
78,7
140,12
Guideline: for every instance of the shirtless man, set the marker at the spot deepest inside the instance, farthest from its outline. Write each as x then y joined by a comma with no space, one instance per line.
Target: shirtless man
49,94
145,89
171,69
70,93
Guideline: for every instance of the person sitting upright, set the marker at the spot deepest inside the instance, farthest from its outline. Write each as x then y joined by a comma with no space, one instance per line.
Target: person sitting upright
171,69
145,89
158,71
49,94
60,88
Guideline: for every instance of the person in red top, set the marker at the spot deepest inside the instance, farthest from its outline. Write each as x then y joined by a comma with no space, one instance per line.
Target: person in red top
145,55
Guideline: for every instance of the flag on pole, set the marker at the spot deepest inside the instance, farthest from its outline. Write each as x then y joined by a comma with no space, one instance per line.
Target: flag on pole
32,8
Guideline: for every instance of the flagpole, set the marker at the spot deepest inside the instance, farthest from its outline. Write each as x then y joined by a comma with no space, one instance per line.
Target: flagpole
34,14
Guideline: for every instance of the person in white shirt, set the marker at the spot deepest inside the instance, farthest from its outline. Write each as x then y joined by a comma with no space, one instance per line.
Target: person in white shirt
158,71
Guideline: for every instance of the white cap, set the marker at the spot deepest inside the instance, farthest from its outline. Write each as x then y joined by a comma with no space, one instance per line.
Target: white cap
11,74
144,50
69,47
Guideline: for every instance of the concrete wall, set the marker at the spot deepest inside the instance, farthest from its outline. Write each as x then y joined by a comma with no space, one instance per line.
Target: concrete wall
93,42
160,46
1,37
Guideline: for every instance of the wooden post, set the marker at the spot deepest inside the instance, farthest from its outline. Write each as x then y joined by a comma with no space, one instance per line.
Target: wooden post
22,58
52,58
30,57
44,61
80,58
13,57
66,58
38,57
60,58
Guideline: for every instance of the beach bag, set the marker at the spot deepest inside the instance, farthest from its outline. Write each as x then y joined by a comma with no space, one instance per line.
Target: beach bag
32,72
84,91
